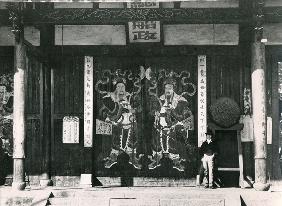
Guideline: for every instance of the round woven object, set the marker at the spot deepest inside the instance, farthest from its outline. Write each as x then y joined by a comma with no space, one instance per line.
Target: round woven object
225,112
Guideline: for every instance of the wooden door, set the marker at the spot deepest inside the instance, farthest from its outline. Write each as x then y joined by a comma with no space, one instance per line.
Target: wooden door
150,105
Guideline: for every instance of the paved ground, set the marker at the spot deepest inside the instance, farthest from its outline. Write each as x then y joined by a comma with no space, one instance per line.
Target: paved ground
137,196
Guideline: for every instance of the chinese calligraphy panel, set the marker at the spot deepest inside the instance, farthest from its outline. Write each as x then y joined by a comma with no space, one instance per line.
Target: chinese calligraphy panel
202,99
144,31
88,101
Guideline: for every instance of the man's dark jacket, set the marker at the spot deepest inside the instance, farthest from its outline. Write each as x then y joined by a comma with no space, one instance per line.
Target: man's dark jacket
208,148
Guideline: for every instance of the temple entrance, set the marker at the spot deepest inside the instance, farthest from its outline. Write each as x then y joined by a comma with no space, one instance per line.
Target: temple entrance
144,112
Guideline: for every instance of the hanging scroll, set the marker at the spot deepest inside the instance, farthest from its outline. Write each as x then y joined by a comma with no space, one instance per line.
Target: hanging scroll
144,31
70,129
202,99
88,101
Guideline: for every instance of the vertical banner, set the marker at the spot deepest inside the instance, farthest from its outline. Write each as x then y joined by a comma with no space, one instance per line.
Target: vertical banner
202,99
269,130
88,101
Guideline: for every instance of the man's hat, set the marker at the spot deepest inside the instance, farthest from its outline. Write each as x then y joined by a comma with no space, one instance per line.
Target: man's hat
209,132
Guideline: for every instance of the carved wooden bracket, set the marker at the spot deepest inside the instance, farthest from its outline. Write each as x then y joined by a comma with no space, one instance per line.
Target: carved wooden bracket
16,18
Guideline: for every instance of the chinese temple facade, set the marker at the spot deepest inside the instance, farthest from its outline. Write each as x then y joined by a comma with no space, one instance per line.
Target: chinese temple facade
122,93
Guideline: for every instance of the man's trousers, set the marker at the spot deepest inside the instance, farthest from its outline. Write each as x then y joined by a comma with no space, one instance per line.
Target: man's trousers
208,164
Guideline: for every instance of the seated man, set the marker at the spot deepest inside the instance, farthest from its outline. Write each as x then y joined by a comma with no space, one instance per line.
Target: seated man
208,151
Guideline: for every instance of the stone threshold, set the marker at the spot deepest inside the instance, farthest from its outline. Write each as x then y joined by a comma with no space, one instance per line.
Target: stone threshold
74,181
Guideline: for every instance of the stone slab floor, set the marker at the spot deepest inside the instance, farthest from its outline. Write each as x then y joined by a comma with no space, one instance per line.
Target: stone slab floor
140,196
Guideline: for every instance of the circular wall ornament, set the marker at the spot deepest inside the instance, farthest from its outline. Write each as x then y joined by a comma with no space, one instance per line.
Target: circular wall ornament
225,112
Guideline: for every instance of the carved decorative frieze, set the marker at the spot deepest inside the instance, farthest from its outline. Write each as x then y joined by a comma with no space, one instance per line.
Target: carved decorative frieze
89,16
46,14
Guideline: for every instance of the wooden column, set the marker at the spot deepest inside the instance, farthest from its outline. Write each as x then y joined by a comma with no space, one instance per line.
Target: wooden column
46,42
19,129
259,114
259,99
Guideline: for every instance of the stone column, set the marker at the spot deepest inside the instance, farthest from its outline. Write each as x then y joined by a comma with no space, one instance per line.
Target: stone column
259,114
19,129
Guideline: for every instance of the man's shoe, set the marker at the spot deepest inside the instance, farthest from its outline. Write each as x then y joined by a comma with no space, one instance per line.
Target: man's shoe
212,187
206,186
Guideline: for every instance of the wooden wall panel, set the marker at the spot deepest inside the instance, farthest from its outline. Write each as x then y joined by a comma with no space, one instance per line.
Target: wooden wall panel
67,159
62,5
90,35
68,86
6,64
201,34
33,85
33,160
209,4
273,33
34,137
224,77
224,72
273,56
68,94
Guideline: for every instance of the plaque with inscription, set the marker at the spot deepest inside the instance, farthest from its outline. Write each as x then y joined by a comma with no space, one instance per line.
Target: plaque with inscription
144,31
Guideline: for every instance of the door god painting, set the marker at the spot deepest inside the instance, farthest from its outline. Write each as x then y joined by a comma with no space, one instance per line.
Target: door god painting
173,119
150,116
118,109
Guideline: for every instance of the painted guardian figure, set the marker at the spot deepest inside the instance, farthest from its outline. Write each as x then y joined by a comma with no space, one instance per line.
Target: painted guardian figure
171,126
117,110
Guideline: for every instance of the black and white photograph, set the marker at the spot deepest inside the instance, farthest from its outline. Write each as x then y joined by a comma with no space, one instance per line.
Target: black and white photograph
141,102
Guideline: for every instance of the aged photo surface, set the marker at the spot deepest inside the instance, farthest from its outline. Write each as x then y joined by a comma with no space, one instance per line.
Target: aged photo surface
141,102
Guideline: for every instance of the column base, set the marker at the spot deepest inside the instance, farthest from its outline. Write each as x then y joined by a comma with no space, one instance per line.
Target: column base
18,185
261,186
86,180
45,182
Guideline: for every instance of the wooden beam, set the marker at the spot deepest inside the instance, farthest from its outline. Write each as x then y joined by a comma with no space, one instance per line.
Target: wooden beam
118,16
123,15
43,15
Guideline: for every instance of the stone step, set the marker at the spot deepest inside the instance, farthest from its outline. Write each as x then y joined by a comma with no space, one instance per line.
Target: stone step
136,202
78,201
263,198
146,181
137,193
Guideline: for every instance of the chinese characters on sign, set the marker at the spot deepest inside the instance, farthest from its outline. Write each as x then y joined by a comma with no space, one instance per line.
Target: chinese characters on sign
103,127
144,31
202,99
88,101
143,5
70,129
